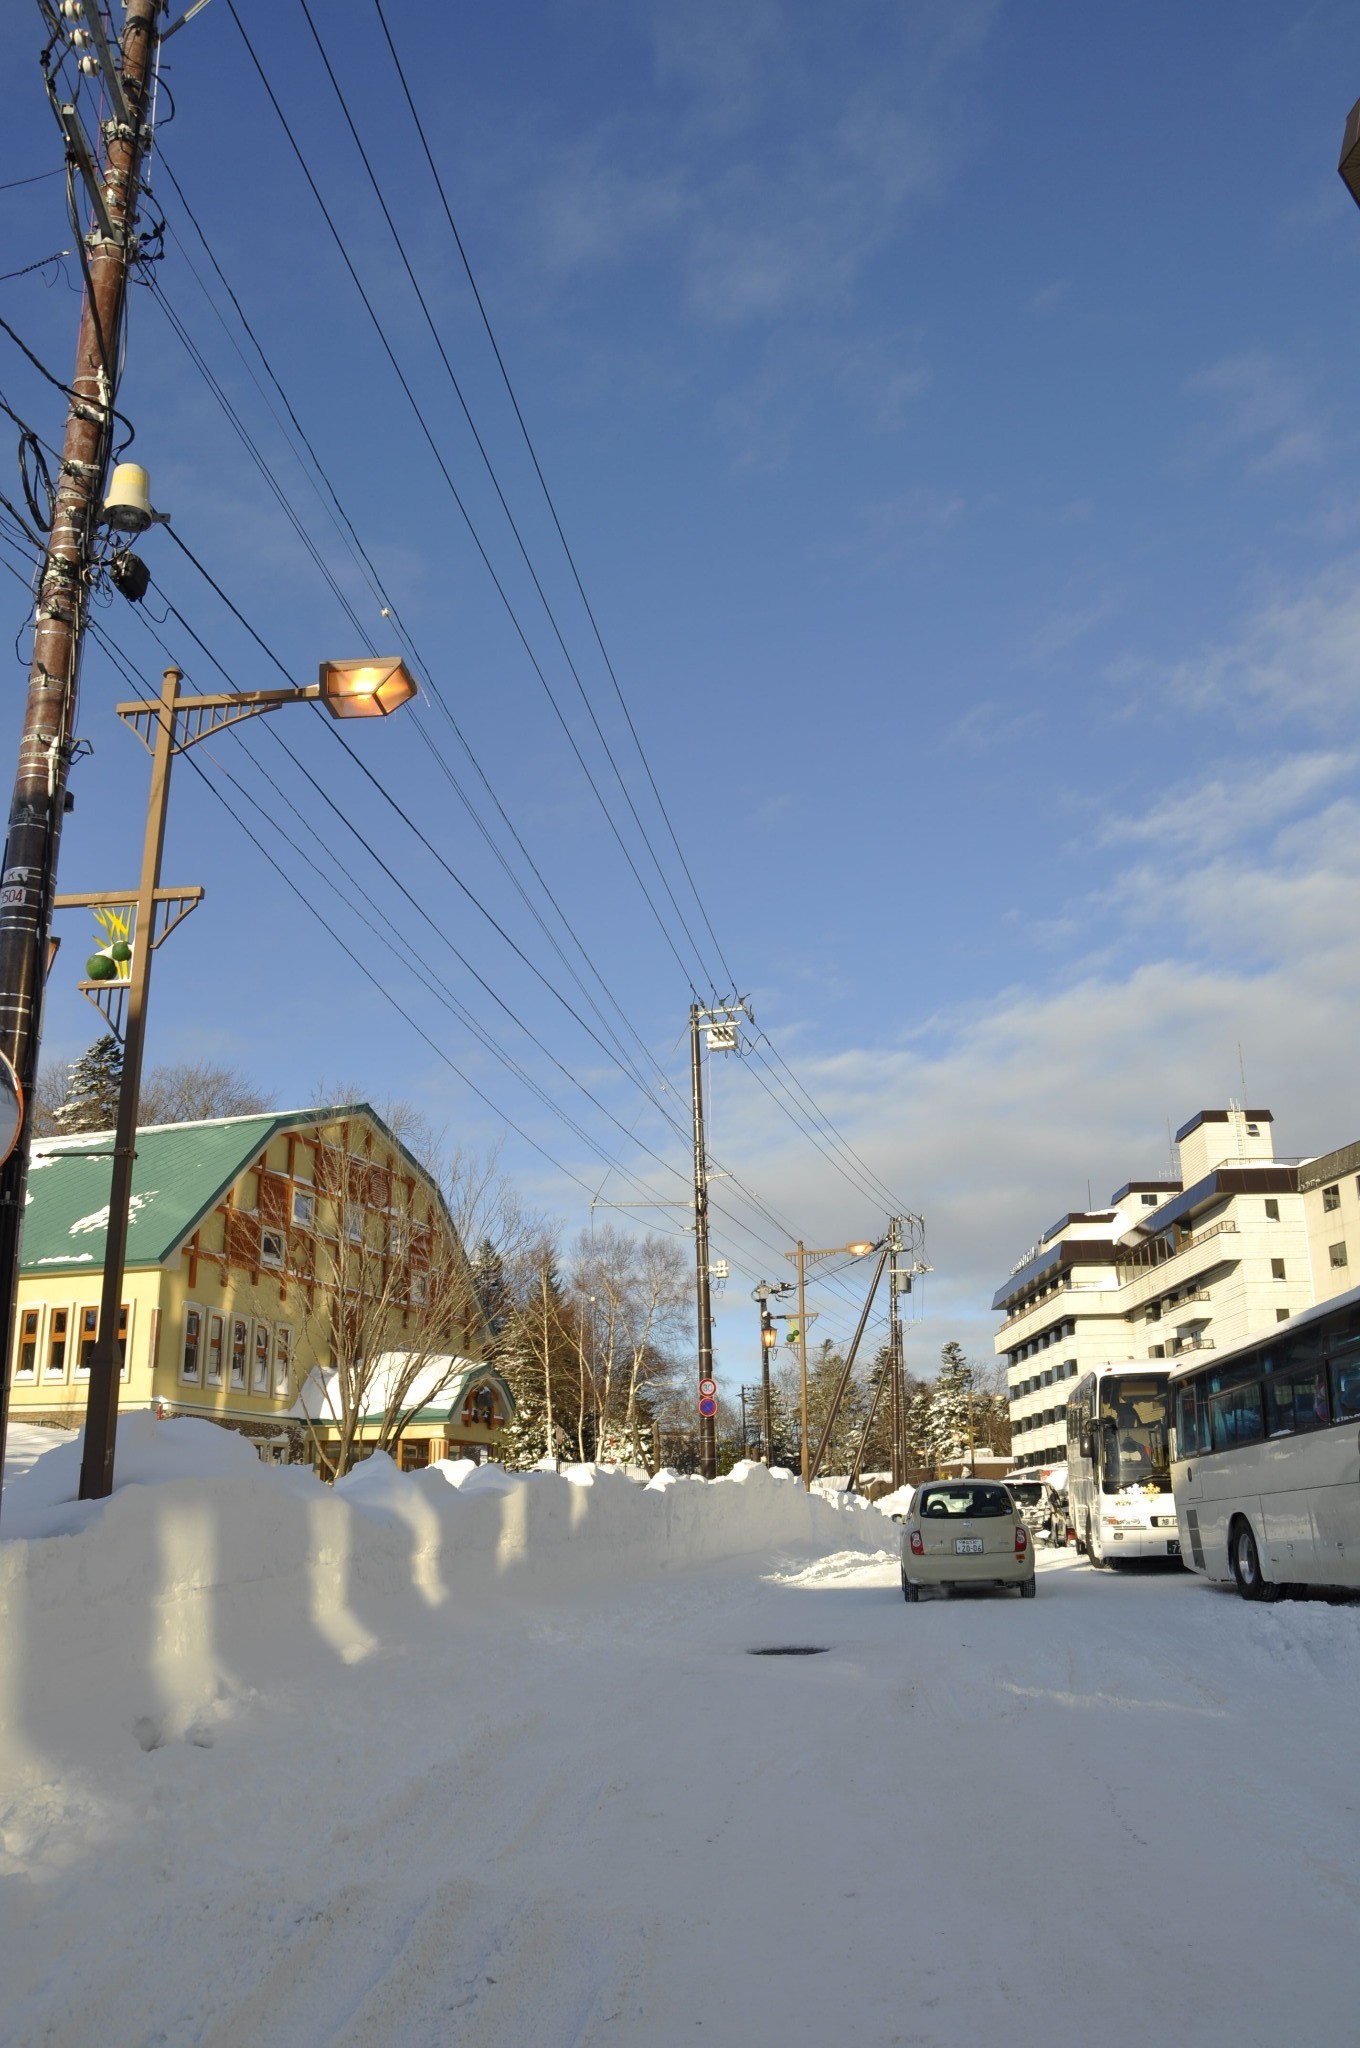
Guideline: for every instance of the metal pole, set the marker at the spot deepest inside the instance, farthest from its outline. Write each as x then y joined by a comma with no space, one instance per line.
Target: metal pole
765,1410
708,1432
895,1349
101,1409
802,1367
38,801
849,1366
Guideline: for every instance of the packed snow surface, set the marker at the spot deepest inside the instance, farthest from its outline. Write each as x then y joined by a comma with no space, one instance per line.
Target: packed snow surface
457,1758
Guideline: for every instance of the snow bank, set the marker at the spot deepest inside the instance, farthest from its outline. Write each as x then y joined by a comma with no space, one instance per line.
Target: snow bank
41,1500
208,1574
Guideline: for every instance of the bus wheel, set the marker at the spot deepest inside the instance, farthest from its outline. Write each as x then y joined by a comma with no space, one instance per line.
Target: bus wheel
1093,1549
1245,1559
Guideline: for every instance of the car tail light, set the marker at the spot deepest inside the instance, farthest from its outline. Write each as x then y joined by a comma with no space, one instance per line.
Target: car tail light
918,1547
1021,1540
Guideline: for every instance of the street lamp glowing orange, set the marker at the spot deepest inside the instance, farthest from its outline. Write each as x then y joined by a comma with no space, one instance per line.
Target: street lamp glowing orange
365,689
859,1251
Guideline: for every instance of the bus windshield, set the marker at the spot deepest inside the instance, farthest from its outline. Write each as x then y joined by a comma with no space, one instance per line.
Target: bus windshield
1133,1426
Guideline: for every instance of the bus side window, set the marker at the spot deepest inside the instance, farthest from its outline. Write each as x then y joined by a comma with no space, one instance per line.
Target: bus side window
1237,1418
1188,1418
1345,1365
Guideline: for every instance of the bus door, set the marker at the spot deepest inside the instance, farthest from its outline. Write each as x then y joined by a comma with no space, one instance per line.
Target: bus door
1294,1406
1333,1460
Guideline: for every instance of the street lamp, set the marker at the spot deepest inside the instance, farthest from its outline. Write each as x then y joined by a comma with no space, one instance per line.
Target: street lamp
802,1259
370,688
1349,166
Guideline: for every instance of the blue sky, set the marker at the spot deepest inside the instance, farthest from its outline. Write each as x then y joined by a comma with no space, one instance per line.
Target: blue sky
952,411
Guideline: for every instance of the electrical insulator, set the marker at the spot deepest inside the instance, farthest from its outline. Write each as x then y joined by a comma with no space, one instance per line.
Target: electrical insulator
81,39
72,9
90,66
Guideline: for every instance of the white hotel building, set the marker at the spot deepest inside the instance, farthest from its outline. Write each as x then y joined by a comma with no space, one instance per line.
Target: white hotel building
1170,1266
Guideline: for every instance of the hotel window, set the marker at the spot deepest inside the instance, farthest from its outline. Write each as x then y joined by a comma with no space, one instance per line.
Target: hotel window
1277,1269
271,1247
89,1331
304,1209
1272,1209
283,1358
1337,1254
1331,1198
259,1376
56,1345
212,1375
193,1339
27,1368
240,1344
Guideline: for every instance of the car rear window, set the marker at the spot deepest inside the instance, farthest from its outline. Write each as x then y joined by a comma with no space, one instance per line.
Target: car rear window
965,1500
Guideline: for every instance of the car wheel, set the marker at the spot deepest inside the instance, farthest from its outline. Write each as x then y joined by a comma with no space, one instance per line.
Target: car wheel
910,1592
1027,1588
1245,1559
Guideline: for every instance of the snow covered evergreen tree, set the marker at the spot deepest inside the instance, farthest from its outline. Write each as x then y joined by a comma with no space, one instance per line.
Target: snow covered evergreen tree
92,1084
951,1422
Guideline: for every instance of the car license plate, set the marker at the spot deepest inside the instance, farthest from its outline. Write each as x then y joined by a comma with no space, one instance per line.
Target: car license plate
1173,1549
968,1546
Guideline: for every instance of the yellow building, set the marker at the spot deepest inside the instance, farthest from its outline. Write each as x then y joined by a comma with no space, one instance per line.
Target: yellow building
267,1257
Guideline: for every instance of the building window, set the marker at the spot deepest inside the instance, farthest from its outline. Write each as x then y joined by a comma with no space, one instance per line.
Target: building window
271,1247
193,1339
420,1287
240,1344
1148,1201
1337,1254
1277,1269
1282,1315
259,1377
283,1358
89,1332
212,1375
56,1345
27,1367
1272,1209
122,1340
354,1222
304,1209
1331,1198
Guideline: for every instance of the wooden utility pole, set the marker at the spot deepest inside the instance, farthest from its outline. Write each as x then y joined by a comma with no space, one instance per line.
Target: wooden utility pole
28,881
708,1424
151,906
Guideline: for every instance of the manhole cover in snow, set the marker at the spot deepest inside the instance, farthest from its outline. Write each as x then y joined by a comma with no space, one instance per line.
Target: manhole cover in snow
792,1650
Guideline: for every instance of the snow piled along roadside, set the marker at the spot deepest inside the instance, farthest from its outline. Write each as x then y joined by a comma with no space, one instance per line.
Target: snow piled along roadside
207,1573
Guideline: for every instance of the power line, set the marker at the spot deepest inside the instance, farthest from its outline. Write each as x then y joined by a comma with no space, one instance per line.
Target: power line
731,979
444,471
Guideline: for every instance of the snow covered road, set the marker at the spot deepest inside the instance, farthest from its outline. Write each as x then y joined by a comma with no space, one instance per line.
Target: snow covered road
1122,1813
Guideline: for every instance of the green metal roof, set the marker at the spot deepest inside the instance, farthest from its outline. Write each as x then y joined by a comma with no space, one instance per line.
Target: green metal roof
181,1172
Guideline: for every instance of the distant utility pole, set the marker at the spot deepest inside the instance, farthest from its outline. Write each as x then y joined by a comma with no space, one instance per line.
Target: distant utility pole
769,1337
111,181
720,1026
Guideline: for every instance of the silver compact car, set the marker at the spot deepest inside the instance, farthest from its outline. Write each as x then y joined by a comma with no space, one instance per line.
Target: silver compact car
965,1532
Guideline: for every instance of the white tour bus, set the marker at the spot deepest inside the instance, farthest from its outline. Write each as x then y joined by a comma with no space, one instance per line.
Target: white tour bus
1118,1465
1265,1456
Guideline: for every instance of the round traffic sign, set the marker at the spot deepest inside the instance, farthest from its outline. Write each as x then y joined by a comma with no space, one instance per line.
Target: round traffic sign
707,1388
708,1406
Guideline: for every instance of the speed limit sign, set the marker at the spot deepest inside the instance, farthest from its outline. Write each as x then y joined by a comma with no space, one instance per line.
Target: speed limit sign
707,1389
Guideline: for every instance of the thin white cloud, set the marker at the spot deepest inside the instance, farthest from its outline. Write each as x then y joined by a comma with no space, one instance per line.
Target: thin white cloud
1257,408
1297,654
